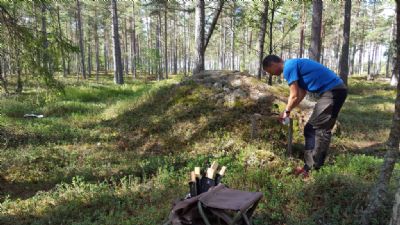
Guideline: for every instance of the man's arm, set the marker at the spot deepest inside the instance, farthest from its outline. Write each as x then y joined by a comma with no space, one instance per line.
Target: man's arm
302,95
296,96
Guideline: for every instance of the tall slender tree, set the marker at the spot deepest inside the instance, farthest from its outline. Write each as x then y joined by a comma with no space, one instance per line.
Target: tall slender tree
118,70
96,43
303,25
344,57
199,36
59,32
315,47
271,24
133,42
81,46
261,38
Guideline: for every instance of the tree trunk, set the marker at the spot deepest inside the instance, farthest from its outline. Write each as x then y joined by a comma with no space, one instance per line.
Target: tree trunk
148,35
158,47
126,59
60,37
78,6
165,42
118,73
315,47
370,58
360,58
390,51
303,25
352,59
245,49
185,46
379,193
344,57
249,48
175,49
45,43
69,58
261,38
133,42
395,219
199,36
214,22
223,43
77,56
89,59
18,68
3,81
233,40
395,79
270,37
106,49
96,43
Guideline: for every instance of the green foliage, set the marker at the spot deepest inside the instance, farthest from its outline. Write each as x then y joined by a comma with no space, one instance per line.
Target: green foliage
121,155
15,108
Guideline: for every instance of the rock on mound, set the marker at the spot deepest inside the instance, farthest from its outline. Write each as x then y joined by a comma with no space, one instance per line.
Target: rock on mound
234,86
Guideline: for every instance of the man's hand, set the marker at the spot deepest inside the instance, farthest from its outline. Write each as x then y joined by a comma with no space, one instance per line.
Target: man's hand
285,114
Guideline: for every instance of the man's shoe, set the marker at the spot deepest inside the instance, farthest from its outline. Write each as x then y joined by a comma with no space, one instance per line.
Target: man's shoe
301,171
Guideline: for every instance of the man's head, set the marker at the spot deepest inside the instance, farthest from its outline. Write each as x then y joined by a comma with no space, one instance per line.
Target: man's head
273,65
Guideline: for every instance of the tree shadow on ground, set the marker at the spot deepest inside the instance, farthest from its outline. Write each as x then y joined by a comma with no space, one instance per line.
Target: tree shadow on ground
178,116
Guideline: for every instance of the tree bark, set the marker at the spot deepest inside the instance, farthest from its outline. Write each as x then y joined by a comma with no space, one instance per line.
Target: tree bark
214,22
96,43
158,47
165,41
344,57
370,58
60,37
223,45
89,59
133,42
126,59
270,37
395,219
361,47
185,46
233,39
82,49
303,25
315,47
261,38
199,36
45,43
118,70
3,81
175,49
106,49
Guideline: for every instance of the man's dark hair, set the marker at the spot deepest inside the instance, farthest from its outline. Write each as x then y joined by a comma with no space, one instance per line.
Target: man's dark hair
269,59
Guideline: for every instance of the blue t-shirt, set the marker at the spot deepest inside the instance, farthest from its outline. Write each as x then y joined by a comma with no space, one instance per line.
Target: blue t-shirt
310,75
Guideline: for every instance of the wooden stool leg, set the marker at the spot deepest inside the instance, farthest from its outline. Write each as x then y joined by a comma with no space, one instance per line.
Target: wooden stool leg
203,215
236,218
246,219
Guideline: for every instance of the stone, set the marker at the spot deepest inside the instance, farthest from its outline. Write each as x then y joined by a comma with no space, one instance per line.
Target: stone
217,85
239,93
236,83
256,95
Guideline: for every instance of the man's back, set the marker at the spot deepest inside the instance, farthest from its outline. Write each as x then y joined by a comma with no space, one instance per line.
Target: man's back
310,75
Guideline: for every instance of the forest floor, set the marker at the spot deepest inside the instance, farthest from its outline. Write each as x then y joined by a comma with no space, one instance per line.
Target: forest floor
108,154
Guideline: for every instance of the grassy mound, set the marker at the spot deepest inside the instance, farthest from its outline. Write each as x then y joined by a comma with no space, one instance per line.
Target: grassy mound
106,154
